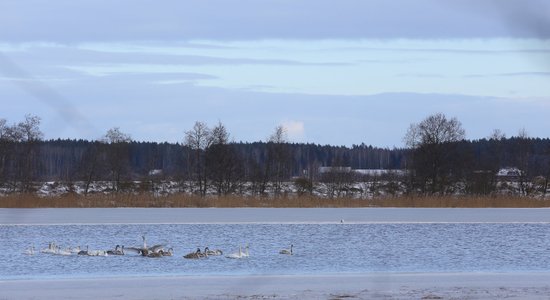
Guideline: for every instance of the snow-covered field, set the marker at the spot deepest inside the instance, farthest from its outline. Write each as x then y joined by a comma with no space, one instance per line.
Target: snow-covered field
373,285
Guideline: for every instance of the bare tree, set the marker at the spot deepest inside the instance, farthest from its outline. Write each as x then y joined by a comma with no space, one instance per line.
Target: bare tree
278,158
92,164
198,139
223,165
117,145
28,134
523,157
433,141
5,145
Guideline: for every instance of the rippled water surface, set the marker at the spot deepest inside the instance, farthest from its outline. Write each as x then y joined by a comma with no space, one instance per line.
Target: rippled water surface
319,249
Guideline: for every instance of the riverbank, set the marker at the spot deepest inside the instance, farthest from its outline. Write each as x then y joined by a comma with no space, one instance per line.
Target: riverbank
37,216
181,200
364,286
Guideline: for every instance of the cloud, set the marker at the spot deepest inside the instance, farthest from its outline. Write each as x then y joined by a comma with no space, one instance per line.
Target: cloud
295,130
511,74
130,20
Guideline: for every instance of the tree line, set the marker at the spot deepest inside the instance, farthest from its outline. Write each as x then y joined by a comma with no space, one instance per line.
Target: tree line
438,160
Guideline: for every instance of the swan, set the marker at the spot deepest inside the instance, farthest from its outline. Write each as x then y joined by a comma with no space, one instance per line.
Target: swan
75,249
236,255
65,252
52,248
118,250
155,254
83,252
29,251
215,252
194,255
97,253
161,252
170,252
144,250
287,251
239,254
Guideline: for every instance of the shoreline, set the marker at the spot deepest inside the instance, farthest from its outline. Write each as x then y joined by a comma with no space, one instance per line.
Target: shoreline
82,216
357,286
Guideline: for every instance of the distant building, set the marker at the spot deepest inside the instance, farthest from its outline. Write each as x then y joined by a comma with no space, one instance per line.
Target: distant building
323,170
365,172
509,174
155,172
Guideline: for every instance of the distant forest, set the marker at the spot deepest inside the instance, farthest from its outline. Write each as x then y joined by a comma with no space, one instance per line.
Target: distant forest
435,163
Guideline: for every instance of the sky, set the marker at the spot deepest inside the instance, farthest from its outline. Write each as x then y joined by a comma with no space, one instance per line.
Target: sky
330,72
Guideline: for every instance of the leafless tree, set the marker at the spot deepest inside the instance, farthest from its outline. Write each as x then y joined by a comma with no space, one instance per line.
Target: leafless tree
523,156
28,134
223,164
5,144
117,149
433,141
198,139
278,158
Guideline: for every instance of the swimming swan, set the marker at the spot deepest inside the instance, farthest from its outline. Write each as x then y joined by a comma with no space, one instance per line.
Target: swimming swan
215,252
287,251
29,251
144,250
170,252
52,248
195,255
119,250
83,252
239,254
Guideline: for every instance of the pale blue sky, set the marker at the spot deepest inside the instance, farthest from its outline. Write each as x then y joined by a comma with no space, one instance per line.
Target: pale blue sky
332,72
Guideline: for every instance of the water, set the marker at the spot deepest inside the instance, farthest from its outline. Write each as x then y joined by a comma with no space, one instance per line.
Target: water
319,249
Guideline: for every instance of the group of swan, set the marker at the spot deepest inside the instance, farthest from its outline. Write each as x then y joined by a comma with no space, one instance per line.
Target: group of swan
153,251
207,252
54,249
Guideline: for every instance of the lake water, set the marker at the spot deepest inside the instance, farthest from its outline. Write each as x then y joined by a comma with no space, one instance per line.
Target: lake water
318,249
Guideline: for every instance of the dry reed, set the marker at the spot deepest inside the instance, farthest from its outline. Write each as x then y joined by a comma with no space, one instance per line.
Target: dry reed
180,200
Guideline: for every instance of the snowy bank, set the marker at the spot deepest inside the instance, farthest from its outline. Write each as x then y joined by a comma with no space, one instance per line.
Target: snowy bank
365,286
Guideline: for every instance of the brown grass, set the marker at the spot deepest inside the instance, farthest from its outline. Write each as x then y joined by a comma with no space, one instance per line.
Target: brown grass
147,200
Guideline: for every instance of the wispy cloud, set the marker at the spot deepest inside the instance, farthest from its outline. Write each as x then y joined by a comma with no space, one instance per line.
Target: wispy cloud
102,20
421,75
511,74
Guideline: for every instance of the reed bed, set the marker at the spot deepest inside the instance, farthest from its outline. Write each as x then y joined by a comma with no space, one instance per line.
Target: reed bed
148,200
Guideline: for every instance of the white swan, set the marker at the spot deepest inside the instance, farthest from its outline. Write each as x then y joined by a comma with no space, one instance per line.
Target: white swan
118,250
144,250
64,252
29,251
239,254
97,253
52,248
170,252
75,249
236,255
287,251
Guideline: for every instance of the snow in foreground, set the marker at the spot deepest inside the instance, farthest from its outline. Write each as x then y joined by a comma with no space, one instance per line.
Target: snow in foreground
368,286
